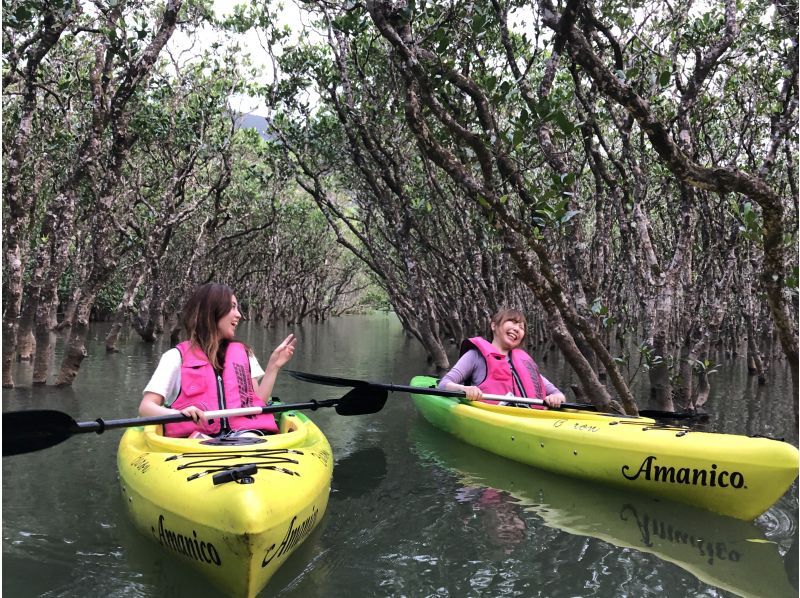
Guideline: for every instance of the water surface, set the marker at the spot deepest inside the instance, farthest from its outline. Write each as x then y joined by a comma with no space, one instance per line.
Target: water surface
413,512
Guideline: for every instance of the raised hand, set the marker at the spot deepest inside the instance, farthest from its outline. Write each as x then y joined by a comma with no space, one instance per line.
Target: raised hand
283,352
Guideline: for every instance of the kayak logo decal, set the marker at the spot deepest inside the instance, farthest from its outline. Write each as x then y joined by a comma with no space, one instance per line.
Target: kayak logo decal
189,546
685,475
141,463
294,536
323,456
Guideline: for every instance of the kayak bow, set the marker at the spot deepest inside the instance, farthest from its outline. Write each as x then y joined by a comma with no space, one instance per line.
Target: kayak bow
235,510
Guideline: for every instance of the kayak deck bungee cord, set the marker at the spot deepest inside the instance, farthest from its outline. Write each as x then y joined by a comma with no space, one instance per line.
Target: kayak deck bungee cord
738,476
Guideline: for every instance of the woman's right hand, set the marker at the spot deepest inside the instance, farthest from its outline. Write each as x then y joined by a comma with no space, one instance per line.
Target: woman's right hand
473,393
152,405
197,414
282,353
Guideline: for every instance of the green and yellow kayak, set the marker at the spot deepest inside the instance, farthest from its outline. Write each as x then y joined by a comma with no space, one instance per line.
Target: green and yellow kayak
234,510
733,475
731,554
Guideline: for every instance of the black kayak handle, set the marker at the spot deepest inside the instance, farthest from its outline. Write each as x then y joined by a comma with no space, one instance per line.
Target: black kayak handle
242,474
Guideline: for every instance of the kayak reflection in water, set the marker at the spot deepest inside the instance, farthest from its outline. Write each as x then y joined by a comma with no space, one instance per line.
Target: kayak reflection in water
500,367
210,370
504,525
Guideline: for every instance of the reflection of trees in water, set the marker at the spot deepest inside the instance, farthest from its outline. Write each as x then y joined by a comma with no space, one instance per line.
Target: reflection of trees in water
502,516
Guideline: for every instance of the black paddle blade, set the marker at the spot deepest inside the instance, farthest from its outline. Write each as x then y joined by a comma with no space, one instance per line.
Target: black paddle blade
34,430
361,401
656,414
327,380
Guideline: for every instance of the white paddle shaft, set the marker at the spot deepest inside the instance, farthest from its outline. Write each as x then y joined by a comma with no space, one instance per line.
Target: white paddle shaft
510,399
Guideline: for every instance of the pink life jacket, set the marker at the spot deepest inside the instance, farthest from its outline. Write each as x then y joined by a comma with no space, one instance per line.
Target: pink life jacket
499,378
201,387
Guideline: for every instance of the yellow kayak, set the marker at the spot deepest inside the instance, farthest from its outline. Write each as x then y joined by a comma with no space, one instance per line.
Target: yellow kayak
235,511
731,554
733,475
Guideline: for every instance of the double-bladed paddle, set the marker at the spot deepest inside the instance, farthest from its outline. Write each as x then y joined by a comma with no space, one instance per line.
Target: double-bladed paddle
37,429
457,394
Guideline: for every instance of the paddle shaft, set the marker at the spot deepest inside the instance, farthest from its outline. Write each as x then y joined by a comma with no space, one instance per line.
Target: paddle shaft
651,413
457,394
460,394
100,425
34,430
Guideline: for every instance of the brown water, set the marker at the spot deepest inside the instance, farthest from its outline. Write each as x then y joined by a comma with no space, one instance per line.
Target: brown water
413,512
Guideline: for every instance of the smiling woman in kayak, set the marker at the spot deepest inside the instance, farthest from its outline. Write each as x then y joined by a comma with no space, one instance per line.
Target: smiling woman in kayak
212,371
500,367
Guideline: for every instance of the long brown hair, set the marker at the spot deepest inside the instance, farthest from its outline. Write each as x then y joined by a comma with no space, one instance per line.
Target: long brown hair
200,316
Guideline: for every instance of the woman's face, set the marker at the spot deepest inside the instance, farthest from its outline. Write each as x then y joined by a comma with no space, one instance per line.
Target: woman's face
227,323
509,334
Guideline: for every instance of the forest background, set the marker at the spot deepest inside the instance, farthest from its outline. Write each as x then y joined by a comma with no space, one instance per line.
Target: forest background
624,172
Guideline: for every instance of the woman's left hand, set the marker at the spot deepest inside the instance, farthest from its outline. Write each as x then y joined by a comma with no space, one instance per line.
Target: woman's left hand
555,400
283,352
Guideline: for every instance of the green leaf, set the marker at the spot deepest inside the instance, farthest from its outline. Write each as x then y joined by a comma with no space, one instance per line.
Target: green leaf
569,216
519,136
23,13
563,122
793,278
544,108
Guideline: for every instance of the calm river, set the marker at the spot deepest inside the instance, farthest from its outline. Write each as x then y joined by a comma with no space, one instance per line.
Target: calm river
413,512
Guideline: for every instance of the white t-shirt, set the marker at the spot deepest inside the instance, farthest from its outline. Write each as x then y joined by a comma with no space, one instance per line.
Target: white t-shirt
166,380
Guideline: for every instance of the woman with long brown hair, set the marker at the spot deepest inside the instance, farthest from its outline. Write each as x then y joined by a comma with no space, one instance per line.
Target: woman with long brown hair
211,370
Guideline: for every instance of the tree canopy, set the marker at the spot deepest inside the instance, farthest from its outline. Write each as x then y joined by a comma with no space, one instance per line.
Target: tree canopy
624,173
